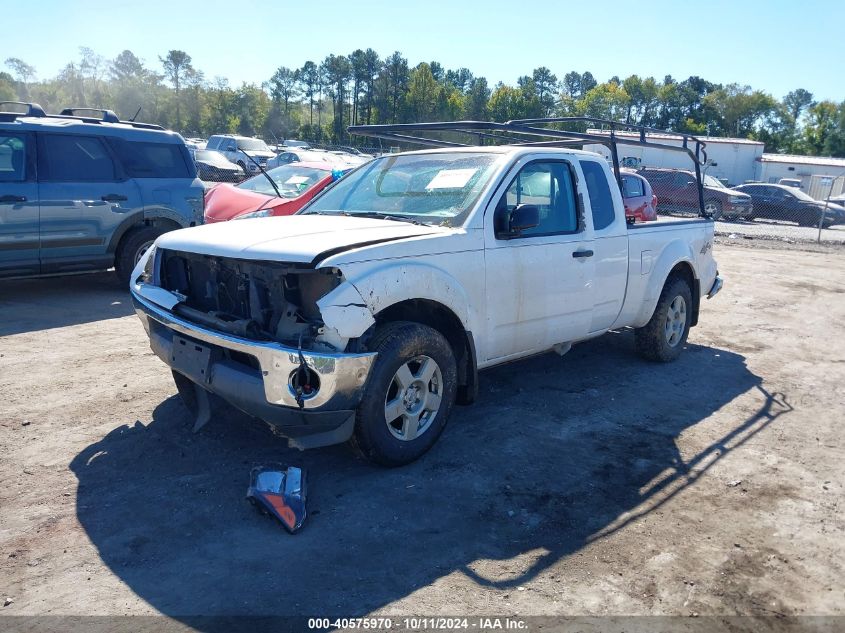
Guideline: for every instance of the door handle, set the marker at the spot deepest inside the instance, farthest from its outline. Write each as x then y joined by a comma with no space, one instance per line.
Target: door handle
8,199
114,197
580,254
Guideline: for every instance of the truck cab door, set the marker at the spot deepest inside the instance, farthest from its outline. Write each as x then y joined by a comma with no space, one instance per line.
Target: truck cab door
19,213
84,197
539,281
610,243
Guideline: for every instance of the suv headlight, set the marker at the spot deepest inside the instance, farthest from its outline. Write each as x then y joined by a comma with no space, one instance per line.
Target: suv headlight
263,213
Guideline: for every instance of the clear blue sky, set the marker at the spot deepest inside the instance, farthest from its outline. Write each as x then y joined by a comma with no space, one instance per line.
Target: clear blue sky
773,45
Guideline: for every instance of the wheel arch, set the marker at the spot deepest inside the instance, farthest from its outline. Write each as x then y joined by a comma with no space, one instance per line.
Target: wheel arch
139,221
441,318
677,259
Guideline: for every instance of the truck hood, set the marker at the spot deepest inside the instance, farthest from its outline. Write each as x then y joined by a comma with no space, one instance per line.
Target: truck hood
295,238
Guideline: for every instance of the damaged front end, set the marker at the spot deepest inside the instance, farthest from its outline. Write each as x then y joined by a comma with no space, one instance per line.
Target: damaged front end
278,341
262,301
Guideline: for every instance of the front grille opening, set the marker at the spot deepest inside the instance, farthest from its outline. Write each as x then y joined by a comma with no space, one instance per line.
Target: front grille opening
266,300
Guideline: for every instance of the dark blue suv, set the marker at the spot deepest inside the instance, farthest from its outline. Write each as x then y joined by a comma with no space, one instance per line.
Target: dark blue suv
82,190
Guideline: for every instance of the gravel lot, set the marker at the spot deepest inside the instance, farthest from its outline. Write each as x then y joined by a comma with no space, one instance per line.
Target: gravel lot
594,484
784,231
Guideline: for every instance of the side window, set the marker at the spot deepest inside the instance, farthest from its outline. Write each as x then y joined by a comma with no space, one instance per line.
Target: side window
601,201
231,146
72,158
151,160
632,187
212,143
548,185
682,180
12,158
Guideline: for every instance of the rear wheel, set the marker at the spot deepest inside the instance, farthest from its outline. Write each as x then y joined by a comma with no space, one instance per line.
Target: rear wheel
409,394
132,248
664,336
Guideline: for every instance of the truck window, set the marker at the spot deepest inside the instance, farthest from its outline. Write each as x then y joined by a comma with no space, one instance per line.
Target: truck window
12,158
548,185
601,202
73,158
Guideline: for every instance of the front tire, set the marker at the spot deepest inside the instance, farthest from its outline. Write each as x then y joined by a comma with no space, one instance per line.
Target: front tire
663,337
131,248
409,394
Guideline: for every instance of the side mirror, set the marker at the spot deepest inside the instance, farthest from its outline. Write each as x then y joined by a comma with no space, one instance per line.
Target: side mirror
524,216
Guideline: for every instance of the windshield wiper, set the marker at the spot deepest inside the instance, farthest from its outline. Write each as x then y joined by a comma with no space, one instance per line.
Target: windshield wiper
266,175
385,216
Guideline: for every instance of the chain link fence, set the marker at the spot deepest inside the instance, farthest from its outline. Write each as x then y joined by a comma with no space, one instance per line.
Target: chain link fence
800,210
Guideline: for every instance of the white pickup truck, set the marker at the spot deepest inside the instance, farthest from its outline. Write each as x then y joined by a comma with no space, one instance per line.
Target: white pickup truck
367,316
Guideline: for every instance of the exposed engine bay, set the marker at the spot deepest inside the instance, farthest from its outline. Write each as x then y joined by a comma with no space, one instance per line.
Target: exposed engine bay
258,300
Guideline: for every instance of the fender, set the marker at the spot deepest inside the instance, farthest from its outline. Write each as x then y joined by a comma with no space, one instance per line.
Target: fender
676,251
140,218
401,280
151,214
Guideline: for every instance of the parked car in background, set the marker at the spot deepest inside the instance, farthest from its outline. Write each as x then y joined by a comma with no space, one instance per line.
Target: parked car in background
195,143
242,150
640,201
297,184
296,155
781,202
790,182
295,143
213,166
84,193
677,192
341,160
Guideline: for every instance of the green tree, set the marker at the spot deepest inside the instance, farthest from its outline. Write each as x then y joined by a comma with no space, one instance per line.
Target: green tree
393,83
338,71
546,86
177,65
823,131
477,99
739,109
7,87
605,101
423,94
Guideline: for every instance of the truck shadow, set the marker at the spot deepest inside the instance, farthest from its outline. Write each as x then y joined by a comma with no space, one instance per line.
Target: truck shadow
556,454
43,303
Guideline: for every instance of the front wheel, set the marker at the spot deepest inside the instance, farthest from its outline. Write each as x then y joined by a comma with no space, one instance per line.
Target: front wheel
664,336
409,394
132,248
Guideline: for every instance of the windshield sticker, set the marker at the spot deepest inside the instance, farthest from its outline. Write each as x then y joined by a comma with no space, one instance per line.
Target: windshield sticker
451,178
296,180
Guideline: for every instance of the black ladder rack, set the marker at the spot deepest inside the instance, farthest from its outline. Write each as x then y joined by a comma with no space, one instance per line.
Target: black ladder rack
531,132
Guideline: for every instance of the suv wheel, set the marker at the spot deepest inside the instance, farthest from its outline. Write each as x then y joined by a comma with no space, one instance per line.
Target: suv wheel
408,396
132,248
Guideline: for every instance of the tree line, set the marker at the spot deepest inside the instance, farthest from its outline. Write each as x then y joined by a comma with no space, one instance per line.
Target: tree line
317,101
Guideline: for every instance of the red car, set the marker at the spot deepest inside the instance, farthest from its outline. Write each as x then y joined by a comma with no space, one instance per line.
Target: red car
640,201
255,198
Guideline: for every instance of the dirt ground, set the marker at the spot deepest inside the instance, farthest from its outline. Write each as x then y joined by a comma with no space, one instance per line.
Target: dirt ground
593,484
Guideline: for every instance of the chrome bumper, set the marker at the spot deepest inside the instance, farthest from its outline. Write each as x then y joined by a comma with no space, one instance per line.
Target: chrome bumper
715,288
342,376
